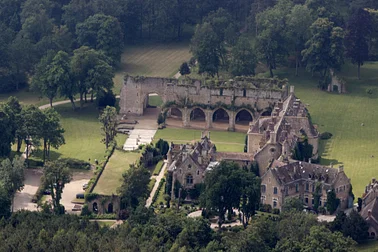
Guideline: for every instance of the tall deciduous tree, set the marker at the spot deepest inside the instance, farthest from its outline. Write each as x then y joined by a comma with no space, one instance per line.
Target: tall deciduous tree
299,20
325,49
6,129
101,32
250,197
357,38
223,189
205,46
55,176
108,120
244,59
51,132
12,175
5,202
134,189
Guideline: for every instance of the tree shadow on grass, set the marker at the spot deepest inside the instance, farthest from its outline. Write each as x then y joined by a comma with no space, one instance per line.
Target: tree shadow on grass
325,161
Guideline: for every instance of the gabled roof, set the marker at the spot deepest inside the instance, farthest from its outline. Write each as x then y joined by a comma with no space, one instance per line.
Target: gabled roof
288,173
373,218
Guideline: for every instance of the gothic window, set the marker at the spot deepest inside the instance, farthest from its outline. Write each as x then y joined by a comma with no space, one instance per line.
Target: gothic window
221,92
263,198
313,201
286,191
296,188
275,190
189,179
198,173
313,188
307,187
263,188
180,171
244,92
274,203
306,200
189,166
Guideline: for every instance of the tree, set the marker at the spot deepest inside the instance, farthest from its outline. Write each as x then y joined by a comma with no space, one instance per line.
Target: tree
12,175
292,204
108,119
303,150
332,201
62,74
91,71
223,189
205,46
299,20
134,188
184,69
321,239
271,40
317,194
101,32
52,132
6,129
254,168
250,197
14,108
44,80
5,202
55,176
243,60
31,128
353,226
163,146
324,50
357,37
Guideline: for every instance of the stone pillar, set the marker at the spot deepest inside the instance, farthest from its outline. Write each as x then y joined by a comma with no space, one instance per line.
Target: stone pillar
209,118
186,117
231,122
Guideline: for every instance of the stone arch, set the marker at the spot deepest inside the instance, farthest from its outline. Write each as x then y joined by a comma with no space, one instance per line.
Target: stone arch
197,114
154,97
243,117
221,115
110,208
175,112
266,112
95,207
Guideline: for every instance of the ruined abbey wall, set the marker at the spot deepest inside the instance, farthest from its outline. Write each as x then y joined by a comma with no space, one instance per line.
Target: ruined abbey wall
135,92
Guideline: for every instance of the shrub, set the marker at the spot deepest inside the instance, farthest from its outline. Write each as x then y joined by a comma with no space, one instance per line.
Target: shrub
266,208
76,163
106,99
184,69
85,210
91,196
192,61
276,211
325,135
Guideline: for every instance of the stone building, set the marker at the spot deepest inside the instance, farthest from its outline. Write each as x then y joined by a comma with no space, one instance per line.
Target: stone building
188,163
369,207
104,204
273,137
296,179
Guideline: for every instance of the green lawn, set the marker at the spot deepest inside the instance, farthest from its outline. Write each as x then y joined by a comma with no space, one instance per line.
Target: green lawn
111,177
158,167
154,100
160,197
154,60
82,134
223,140
353,145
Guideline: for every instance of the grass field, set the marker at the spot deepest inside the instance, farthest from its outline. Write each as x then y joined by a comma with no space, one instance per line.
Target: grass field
353,145
224,141
82,133
111,177
154,60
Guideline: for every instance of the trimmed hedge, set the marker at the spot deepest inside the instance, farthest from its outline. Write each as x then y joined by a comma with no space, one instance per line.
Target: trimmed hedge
156,195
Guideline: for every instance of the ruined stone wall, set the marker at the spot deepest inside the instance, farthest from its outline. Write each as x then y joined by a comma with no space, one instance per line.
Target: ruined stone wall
103,202
136,89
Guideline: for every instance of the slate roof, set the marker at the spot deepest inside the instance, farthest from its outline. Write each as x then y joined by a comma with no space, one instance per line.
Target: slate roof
373,219
288,173
219,156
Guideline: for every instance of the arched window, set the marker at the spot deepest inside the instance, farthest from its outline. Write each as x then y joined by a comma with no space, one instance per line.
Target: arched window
275,190
263,188
198,173
95,208
189,179
110,208
244,92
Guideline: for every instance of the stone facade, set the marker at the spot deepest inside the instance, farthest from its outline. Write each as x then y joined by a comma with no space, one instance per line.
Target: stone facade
297,179
188,163
259,94
273,137
105,205
369,208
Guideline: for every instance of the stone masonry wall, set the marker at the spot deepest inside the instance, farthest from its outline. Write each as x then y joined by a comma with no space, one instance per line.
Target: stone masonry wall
135,91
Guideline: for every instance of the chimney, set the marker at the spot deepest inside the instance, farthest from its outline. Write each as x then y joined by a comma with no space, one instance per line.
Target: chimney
291,89
272,137
341,168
